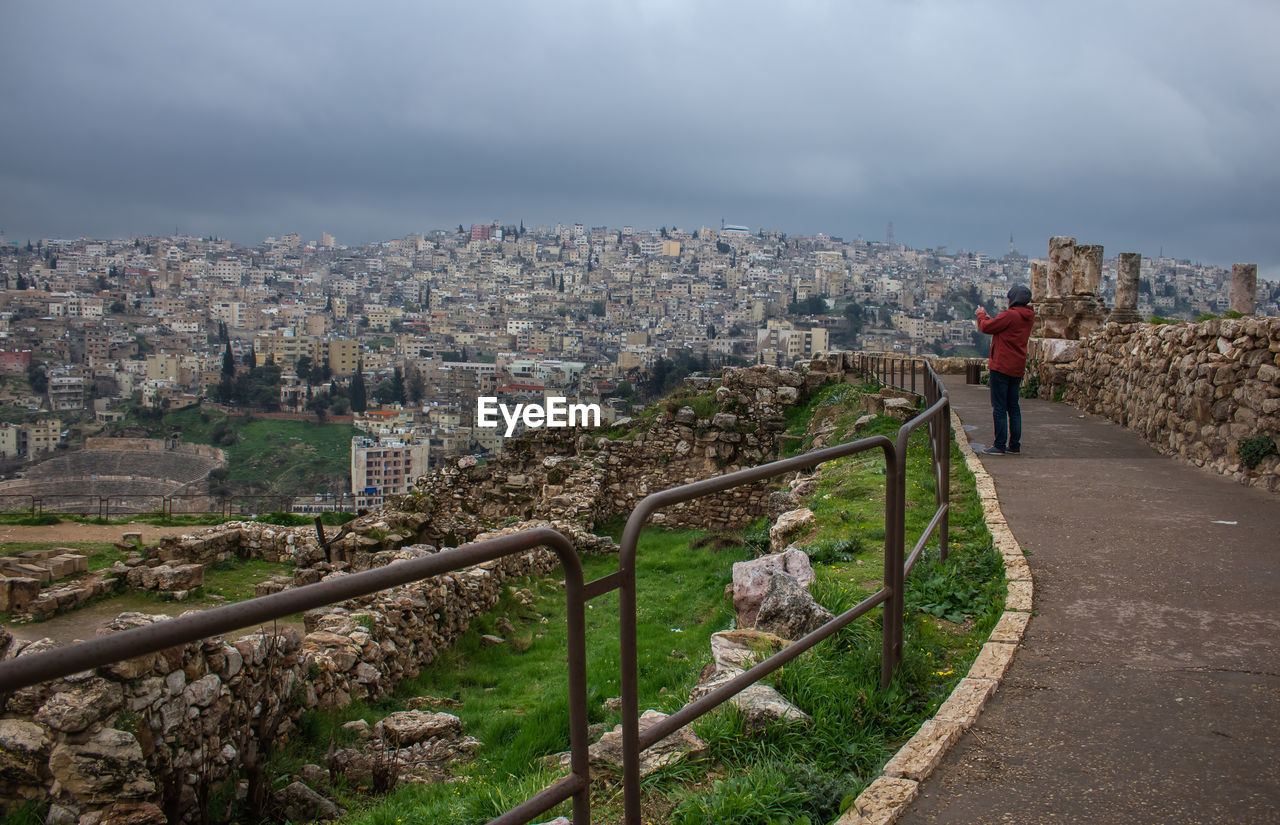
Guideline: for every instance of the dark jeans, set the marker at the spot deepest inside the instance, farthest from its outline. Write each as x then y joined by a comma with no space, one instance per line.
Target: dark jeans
1005,409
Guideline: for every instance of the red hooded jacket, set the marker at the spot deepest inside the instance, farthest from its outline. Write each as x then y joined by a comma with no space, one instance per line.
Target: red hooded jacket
1009,332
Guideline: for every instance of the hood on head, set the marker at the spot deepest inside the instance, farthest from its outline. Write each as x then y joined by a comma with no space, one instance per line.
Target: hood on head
1019,295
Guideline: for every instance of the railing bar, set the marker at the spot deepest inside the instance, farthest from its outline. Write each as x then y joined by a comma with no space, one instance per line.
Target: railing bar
28,670
544,800
924,538
735,685
602,585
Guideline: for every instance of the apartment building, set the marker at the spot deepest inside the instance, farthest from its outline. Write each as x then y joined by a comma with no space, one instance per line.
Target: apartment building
384,466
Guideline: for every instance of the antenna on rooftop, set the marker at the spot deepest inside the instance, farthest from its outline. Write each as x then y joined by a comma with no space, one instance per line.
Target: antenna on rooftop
888,233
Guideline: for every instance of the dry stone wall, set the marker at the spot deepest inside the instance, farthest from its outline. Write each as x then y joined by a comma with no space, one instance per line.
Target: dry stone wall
142,740
1191,390
584,479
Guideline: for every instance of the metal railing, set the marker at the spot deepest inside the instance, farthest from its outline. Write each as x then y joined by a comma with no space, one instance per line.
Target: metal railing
121,505
889,371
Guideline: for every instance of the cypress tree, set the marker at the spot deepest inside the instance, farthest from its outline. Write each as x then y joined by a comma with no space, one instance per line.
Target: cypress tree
356,392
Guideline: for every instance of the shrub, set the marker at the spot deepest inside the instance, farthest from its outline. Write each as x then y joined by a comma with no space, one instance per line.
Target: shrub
761,797
1253,450
1031,387
837,550
756,537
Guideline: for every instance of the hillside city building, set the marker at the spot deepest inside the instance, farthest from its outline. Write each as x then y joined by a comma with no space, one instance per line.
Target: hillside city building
434,321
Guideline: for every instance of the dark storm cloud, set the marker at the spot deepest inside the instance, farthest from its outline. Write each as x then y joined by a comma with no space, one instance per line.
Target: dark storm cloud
1136,125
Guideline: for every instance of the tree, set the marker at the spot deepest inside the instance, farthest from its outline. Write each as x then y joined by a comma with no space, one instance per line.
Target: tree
116,308
384,393
22,282
658,379
397,386
854,314
711,332
318,403
228,361
37,378
250,358
356,391
813,305
302,368
597,307
417,385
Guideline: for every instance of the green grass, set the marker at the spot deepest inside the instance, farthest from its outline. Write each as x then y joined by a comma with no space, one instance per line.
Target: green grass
28,519
513,695
816,772
101,554
270,456
234,579
31,812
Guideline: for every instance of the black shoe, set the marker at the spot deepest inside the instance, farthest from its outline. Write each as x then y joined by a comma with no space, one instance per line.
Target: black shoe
1013,451
993,451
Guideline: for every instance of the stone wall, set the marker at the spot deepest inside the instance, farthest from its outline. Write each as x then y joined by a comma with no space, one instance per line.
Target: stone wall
156,445
1191,390
145,740
582,478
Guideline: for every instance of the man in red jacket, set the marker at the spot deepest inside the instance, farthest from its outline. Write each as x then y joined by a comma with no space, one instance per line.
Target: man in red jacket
1009,332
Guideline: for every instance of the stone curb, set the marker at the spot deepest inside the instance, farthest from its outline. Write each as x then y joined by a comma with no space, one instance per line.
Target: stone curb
886,798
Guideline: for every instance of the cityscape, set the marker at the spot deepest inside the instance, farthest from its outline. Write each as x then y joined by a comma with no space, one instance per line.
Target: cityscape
403,337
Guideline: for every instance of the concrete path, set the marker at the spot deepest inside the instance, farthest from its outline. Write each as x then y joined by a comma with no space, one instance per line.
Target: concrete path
1147,688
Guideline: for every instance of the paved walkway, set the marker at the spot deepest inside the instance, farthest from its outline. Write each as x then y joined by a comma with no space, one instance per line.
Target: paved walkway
1147,687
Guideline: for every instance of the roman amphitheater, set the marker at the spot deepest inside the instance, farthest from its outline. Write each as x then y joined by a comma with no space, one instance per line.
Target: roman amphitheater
117,475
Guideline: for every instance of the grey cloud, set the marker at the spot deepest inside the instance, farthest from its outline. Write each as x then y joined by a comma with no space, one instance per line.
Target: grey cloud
1138,124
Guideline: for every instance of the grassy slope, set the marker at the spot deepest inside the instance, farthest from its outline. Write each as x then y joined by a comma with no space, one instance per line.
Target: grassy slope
272,456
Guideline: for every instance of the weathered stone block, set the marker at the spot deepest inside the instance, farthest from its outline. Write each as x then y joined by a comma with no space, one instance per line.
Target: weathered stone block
993,661
922,753
108,767
24,747
17,593
966,701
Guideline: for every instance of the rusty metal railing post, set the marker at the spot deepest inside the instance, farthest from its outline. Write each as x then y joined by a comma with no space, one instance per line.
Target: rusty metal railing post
891,613
942,464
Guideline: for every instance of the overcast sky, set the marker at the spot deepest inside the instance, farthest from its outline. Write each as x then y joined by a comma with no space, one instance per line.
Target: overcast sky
1141,126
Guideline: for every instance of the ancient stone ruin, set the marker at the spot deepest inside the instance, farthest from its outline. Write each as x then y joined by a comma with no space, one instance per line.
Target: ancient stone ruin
1065,294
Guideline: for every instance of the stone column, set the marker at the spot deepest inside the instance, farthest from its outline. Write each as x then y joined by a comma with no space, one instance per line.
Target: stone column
1061,252
1086,269
1128,273
1038,277
1244,288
